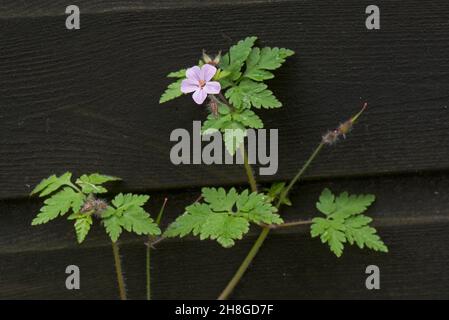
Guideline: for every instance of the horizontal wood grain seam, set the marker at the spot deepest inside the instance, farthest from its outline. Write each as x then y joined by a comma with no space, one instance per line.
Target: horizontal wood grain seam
57,8
382,222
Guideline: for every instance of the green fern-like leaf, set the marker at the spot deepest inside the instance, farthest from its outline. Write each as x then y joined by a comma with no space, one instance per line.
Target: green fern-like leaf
58,205
83,222
345,222
51,184
92,183
250,93
224,216
127,213
173,91
113,226
78,200
261,60
177,74
233,125
233,61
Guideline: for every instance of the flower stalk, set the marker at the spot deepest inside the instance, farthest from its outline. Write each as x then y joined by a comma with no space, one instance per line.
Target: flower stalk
248,169
119,271
148,252
341,130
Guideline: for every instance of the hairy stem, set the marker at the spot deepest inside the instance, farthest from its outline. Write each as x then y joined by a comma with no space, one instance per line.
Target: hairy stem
298,176
148,255
248,169
265,230
119,271
148,260
245,264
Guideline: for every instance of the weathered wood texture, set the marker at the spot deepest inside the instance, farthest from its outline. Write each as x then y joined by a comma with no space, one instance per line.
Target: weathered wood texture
87,100
291,265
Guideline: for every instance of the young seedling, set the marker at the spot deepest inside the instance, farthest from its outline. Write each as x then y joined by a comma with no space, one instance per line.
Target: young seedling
81,203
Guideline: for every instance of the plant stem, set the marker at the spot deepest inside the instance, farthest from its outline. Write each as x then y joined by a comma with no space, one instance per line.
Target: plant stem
148,255
245,264
148,260
265,230
75,187
298,176
249,170
290,224
118,271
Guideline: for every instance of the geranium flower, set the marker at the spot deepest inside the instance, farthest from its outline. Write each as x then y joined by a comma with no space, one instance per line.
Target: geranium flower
198,82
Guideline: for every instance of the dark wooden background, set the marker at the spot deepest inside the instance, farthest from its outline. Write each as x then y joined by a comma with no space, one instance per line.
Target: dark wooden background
87,100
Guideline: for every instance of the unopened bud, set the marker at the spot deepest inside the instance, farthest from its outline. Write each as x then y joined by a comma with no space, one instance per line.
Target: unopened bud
213,107
217,58
207,59
94,206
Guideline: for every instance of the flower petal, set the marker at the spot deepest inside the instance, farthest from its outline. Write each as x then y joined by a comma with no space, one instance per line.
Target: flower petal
189,85
199,96
208,72
194,73
212,87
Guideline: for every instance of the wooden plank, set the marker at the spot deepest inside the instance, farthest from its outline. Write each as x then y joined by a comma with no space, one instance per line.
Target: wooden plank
290,266
427,193
13,9
87,101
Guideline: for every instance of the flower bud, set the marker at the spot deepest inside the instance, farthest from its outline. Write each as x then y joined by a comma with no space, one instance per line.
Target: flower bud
207,59
94,206
213,107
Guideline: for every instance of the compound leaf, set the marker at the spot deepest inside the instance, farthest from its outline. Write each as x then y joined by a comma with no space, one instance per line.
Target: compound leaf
224,216
249,93
255,207
224,228
113,227
92,183
136,219
232,62
124,201
190,222
345,222
177,74
59,204
51,184
83,222
127,213
261,60
173,91
326,202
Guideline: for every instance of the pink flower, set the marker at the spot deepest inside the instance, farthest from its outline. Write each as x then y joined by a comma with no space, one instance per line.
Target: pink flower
198,82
